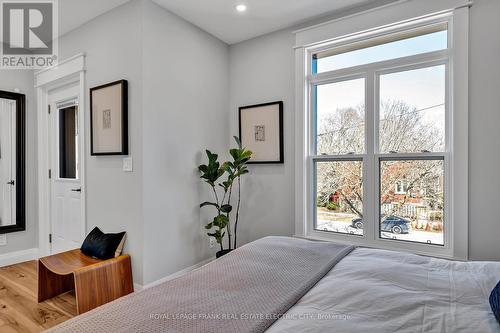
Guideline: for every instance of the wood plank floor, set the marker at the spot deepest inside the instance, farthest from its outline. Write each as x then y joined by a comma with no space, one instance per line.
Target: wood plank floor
19,309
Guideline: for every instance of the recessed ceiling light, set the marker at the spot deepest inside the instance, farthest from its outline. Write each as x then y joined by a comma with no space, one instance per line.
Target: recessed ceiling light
241,8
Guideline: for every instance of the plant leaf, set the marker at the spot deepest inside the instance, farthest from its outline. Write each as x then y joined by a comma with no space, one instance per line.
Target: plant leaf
226,208
238,141
220,221
206,203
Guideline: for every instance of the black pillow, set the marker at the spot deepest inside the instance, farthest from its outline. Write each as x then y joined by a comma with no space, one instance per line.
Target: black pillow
495,301
100,245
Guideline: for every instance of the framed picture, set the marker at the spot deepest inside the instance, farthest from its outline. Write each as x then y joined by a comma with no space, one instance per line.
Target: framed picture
261,131
109,119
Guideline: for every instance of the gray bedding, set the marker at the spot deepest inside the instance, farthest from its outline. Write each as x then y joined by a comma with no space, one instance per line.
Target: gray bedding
244,291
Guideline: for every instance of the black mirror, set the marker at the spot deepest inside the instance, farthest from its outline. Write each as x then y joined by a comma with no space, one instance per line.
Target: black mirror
12,162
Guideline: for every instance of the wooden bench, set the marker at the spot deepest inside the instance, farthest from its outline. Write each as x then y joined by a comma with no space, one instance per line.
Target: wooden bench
95,281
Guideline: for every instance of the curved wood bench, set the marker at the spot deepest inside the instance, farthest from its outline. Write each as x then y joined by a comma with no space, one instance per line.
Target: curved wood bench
95,281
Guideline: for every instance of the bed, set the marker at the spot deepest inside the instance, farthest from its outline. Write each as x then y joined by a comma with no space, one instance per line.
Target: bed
294,285
374,290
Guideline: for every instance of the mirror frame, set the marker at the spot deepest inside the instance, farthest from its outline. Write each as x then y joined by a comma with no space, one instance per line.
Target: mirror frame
20,162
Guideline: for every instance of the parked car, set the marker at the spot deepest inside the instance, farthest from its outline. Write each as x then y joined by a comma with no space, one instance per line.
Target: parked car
391,223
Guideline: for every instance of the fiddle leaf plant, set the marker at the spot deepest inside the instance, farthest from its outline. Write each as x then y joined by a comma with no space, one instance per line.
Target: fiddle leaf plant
212,173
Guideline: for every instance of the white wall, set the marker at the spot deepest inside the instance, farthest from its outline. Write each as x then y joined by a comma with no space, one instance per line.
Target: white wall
28,239
185,94
178,101
484,133
113,47
262,70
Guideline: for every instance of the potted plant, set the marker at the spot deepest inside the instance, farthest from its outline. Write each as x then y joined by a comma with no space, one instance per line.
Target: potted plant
222,188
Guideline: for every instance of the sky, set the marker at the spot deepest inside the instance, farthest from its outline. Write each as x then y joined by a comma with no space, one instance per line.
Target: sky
416,45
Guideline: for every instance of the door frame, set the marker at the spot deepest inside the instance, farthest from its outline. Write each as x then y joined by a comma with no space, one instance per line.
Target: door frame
71,70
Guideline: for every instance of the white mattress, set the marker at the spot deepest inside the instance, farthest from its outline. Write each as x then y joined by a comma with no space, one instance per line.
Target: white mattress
384,291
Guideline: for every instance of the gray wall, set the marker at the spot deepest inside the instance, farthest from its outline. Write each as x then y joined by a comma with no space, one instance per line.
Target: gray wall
112,43
484,133
28,239
178,95
185,94
262,70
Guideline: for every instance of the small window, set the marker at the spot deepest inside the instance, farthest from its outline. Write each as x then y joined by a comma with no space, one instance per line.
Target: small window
412,110
339,197
415,210
397,45
401,187
340,117
68,142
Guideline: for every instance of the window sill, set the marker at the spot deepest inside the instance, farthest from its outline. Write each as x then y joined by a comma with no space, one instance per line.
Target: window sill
379,244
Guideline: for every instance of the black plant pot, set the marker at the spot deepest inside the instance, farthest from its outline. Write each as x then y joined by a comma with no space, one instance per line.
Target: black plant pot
221,253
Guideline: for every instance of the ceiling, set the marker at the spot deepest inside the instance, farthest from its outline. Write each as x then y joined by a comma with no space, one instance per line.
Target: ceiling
74,13
220,18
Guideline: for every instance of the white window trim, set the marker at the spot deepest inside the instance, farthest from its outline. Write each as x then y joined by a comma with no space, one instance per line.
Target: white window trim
456,158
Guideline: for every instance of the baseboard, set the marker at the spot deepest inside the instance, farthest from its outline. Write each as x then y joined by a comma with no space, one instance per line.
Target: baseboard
138,287
18,256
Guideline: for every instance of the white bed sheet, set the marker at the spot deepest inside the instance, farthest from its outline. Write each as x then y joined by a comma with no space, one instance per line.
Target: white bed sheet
374,290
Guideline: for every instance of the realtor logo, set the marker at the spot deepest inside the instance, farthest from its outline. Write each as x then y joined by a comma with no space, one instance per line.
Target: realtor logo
28,34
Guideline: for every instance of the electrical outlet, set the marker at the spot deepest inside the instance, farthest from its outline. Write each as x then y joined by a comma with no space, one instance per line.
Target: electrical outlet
212,242
3,240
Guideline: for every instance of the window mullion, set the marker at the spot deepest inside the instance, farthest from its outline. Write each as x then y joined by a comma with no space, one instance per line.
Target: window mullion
347,157
412,156
369,174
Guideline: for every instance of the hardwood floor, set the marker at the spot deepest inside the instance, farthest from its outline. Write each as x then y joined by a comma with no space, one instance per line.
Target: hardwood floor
19,309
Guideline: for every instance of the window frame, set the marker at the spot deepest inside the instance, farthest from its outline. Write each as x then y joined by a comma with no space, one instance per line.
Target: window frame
455,234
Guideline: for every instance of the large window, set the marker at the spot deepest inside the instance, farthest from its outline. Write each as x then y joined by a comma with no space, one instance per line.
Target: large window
380,137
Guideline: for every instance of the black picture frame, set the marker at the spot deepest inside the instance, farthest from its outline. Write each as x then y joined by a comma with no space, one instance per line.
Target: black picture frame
124,122
20,181
281,159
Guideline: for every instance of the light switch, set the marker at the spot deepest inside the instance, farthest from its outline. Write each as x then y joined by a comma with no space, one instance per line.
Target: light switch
3,240
128,164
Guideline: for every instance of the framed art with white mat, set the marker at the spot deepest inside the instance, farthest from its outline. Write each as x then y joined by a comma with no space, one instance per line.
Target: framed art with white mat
109,119
261,131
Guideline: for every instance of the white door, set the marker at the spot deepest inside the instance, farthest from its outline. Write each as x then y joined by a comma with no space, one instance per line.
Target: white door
7,162
67,224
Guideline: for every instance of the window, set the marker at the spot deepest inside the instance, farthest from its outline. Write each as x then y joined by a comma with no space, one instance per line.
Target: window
339,201
401,187
417,205
378,141
406,43
340,117
410,118
412,110
68,142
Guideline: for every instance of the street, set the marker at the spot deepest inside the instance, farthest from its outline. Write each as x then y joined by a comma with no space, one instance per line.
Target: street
414,235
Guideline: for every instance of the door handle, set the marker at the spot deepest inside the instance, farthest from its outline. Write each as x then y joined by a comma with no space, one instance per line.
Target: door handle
11,183
77,189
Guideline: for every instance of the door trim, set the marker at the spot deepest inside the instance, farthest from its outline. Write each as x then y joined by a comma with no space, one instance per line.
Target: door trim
71,70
